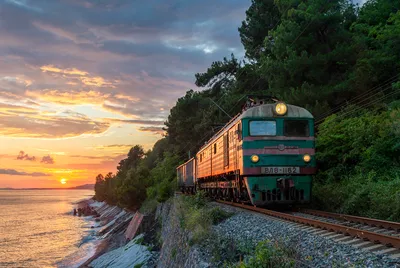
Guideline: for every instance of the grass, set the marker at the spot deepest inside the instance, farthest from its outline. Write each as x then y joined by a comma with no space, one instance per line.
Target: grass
149,206
270,254
139,240
173,253
197,216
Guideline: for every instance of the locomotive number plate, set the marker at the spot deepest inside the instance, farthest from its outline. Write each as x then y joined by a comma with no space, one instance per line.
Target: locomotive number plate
280,170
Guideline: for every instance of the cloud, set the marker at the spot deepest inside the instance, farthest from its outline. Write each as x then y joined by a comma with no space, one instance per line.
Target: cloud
105,157
134,121
11,109
44,126
129,59
13,172
77,75
69,97
47,160
154,130
106,164
114,146
72,71
29,102
23,156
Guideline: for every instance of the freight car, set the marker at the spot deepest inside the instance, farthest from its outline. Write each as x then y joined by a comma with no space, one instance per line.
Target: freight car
265,155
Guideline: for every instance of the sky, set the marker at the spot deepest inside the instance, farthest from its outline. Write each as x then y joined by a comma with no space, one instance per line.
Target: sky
82,81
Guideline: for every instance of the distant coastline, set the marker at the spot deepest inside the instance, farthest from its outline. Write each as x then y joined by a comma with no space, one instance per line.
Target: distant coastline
80,187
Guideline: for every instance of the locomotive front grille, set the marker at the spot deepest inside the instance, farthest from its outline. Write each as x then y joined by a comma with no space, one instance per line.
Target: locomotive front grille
289,195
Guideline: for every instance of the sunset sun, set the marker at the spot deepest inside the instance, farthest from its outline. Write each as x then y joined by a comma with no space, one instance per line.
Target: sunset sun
63,181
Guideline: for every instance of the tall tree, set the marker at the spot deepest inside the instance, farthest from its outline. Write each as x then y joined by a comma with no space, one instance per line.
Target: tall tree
261,17
311,53
219,76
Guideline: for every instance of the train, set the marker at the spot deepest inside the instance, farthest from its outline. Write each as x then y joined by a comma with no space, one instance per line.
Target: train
265,156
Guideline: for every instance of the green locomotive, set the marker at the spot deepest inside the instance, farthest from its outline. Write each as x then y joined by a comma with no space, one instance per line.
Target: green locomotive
264,155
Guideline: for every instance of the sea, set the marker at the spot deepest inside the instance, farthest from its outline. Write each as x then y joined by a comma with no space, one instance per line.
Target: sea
38,229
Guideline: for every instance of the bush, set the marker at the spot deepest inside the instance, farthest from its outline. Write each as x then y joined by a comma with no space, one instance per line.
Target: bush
269,254
359,164
361,195
218,215
228,251
196,216
148,206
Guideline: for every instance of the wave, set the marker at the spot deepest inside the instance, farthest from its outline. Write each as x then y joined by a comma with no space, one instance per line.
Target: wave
46,233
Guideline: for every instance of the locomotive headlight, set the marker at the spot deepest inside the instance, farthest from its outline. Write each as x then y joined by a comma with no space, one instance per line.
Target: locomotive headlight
306,158
280,108
254,158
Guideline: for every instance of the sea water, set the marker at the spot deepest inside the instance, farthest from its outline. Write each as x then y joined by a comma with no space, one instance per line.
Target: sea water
38,229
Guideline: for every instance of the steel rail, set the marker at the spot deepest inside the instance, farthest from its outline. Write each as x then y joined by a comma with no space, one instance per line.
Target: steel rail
366,235
372,222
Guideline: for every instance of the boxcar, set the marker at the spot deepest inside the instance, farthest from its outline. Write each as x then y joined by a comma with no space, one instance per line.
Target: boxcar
186,176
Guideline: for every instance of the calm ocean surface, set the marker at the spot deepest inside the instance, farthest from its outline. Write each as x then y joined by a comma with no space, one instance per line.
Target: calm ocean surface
37,228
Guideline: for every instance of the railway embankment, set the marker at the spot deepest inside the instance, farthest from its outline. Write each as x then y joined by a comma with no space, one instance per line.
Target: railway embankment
214,235
189,231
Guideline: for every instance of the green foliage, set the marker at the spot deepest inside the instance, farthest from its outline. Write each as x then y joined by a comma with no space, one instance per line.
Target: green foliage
228,251
149,206
173,253
140,176
261,18
219,75
269,254
369,195
364,143
359,158
139,241
197,216
219,215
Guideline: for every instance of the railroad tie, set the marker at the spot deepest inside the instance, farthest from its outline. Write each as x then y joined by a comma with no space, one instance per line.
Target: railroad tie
376,247
385,251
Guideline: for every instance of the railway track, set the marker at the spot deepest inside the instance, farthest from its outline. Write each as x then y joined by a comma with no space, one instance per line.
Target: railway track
380,237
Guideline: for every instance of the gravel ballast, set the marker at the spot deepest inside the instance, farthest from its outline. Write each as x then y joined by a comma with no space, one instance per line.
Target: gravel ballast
312,250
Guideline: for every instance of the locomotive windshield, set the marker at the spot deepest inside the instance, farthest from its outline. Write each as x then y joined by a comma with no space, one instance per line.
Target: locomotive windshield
262,128
296,128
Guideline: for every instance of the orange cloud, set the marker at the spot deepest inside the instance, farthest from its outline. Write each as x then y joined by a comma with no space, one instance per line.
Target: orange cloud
125,97
76,74
154,130
69,97
114,147
71,71
6,108
97,157
23,156
47,159
40,126
96,81
14,172
134,121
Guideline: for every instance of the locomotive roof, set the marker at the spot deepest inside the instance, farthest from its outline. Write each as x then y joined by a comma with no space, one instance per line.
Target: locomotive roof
266,110
263,110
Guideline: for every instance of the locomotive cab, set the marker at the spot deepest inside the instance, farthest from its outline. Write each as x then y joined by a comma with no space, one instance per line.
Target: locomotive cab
278,154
